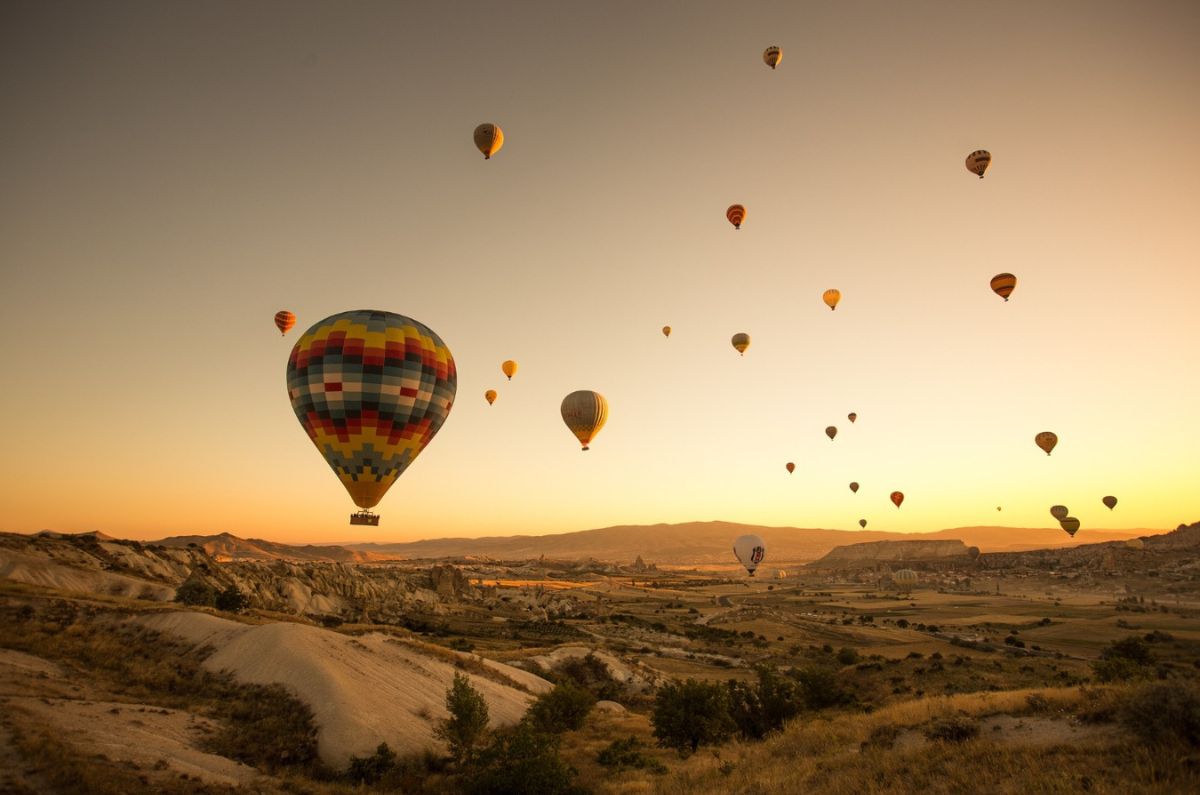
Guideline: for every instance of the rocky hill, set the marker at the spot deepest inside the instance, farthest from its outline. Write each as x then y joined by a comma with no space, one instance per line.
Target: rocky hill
228,547
874,552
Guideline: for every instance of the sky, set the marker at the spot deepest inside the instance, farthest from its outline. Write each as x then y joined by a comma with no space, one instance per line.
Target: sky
172,174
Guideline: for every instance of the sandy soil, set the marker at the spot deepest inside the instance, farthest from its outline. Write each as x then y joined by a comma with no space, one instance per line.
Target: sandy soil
363,690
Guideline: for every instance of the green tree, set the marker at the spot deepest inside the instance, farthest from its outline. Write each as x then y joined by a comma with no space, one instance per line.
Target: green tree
690,714
231,600
468,720
521,761
561,709
195,591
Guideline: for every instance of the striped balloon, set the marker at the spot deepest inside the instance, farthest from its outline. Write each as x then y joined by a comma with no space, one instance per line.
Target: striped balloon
1003,284
772,56
284,320
488,139
736,215
831,298
585,413
978,162
371,389
740,341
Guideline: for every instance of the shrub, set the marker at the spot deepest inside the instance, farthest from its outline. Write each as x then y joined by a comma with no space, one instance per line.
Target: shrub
847,656
231,600
468,720
592,674
561,709
953,730
195,591
627,753
1132,648
1163,712
690,714
370,769
521,761
820,688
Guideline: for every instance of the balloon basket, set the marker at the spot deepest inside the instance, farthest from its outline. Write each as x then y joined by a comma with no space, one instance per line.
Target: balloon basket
365,518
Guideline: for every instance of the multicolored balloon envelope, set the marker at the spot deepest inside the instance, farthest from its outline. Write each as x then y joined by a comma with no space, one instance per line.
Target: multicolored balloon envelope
772,56
488,139
750,551
978,162
371,389
584,413
284,320
736,214
1003,284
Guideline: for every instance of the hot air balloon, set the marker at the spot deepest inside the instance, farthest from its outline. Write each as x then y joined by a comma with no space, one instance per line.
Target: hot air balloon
862,523
997,507
791,467
831,432
772,56
1059,512
371,389
284,320
750,551
1046,440
585,413
831,298
736,215
509,368
905,579
666,331
490,396
852,416
1003,284
854,487
741,341
978,162
489,138
1071,525
897,498
1110,502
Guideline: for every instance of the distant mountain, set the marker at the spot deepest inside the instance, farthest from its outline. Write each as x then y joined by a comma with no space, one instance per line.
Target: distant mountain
227,547
872,552
710,542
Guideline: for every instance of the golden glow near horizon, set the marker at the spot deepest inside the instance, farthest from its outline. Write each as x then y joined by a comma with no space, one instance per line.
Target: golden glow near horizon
169,185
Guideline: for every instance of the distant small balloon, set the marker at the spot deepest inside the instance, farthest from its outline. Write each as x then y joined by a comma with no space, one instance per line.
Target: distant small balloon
997,507
978,162
1003,284
791,467
666,331
1047,440
1059,512
831,298
854,486
490,396
831,432
750,551
509,368
897,498
772,56
862,523
284,320
736,215
852,416
1071,525
1110,502
488,139
740,341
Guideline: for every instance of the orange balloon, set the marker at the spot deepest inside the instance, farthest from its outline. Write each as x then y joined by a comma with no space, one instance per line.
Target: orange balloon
736,215
791,467
284,320
897,498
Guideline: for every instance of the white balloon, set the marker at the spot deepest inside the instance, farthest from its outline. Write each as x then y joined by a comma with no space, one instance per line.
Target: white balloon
750,551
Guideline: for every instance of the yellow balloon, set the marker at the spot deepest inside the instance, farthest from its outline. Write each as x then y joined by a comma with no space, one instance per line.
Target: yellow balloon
585,413
831,298
509,368
488,139
741,341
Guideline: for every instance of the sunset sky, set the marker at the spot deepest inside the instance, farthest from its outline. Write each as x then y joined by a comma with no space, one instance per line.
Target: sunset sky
172,174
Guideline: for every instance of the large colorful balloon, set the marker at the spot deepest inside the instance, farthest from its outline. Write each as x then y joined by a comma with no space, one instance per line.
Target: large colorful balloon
831,298
488,139
790,467
490,396
978,162
509,368
666,331
831,432
740,341
852,416
736,215
1059,512
371,389
854,486
772,56
585,413
897,498
1003,284
750,551
1046,440
1110,502
862,523
1071,525
284,320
